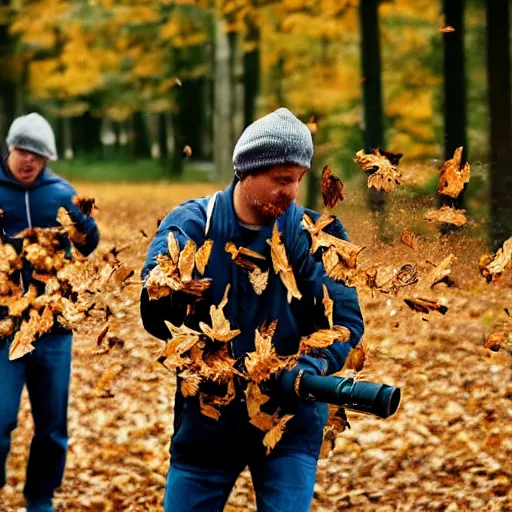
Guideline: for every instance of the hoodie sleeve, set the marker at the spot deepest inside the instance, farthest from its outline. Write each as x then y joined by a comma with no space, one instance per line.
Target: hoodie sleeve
87,226
83,223
185,225
346,309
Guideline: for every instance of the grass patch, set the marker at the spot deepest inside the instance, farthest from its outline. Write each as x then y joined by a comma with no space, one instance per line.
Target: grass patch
147,170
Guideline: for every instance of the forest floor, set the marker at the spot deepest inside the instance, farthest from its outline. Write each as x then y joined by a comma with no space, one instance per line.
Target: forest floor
448,448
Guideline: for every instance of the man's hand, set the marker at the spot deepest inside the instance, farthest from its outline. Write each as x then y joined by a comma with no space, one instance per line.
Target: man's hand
289,380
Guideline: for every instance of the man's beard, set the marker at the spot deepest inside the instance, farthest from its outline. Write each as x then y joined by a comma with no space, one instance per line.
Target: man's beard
269,211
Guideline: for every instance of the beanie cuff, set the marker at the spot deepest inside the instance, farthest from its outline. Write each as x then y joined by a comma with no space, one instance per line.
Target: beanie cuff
31,144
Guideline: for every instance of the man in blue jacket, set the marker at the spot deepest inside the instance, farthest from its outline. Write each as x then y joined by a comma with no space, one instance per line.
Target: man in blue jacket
270,159
30,196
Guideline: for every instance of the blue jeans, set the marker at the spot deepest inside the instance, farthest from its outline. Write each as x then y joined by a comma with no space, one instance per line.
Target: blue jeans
204,468
46,372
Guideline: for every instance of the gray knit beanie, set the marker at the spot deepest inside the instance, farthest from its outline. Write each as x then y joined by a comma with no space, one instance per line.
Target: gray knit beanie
33,133
277,138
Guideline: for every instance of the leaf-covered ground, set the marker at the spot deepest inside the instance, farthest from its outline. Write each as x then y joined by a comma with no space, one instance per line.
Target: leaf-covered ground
449,447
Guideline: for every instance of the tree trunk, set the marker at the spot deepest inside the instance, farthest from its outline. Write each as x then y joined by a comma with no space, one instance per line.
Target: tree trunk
162,137
141,145
498,72
372,97
251,74
454,90
67,137
222,133
86,132
7,87
312,185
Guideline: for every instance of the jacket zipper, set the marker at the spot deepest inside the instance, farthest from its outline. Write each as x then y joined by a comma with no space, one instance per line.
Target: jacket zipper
27,207
29,220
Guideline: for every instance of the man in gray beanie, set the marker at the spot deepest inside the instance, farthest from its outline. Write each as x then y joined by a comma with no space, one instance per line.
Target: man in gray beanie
207,455
30,197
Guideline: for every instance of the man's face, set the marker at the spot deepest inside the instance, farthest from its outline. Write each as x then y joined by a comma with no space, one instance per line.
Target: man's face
271,192
25,165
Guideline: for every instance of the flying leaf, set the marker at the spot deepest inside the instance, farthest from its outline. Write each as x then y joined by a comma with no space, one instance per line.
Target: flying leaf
173,247
323,338
383,175
498,340
186,261
328,305
190,383
87,205
220,329
274,435
332,188
447,215
452,177
495,266
208,409
281,265
410,239
258,280
441,272
203,255
242,256
264,362
423,305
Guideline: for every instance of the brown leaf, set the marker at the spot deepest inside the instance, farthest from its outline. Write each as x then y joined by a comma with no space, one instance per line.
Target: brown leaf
101,335
356,358
87,205
447,215
423,305
501,260
332,188
258,280
274,435
68,225
203,255
240,255
346,251
107,378
190,383
25,336
254,400
221,328
441,272
328,305
208,409
383,175
281,265
312,124
197,286
323,338
451,177
187,151
264,362
122,274
410,239
186,261
173,248
498,340
6,327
